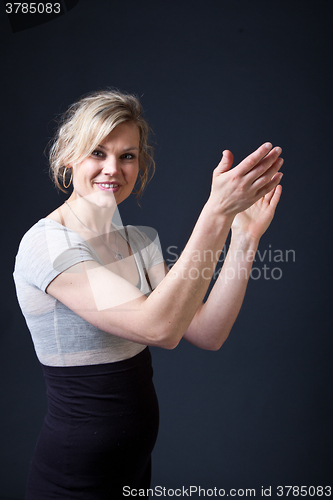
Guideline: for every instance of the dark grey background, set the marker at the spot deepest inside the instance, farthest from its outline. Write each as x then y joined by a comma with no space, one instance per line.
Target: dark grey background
211,75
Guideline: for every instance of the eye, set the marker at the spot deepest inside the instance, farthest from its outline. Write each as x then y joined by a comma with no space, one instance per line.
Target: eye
128,156
97,153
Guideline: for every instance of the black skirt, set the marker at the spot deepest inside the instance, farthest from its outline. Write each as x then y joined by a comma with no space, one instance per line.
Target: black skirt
99,431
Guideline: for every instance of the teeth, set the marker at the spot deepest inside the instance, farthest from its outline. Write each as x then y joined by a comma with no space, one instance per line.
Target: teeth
109,185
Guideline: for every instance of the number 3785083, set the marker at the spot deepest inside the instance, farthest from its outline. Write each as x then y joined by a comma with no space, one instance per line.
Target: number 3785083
303,491
32,8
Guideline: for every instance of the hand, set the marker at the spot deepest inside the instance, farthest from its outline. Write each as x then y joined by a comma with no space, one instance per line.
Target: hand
255,220
235,190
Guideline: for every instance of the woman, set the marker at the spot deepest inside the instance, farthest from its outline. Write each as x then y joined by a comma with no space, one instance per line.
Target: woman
95,295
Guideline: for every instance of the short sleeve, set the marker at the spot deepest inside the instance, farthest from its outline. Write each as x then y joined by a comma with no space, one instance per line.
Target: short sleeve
47,250
146,240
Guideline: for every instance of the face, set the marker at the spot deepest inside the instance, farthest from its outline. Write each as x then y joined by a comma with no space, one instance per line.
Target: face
109,174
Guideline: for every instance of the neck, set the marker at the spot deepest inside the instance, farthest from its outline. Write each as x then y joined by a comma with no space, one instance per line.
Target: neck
84,211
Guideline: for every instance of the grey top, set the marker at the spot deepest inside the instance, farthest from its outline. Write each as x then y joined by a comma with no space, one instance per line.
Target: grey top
61,337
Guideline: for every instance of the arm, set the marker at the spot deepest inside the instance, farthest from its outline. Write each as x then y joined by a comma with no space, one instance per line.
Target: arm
114,305
214,319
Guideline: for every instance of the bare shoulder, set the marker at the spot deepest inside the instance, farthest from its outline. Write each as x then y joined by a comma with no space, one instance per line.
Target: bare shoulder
56,215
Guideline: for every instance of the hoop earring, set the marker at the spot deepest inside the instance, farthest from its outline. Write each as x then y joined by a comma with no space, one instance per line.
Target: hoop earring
64,178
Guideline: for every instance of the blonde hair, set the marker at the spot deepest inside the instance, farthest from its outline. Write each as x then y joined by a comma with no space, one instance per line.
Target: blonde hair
87,122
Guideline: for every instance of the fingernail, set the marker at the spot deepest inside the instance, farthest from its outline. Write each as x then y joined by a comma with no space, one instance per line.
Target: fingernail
268,145
278,150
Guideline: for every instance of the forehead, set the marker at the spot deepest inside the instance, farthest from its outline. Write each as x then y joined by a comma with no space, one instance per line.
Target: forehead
125,133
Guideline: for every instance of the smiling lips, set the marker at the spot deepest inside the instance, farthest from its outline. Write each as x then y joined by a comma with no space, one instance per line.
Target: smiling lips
108,186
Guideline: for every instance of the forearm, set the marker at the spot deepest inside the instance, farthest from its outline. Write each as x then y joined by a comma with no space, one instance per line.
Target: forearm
177,298
214,319
112,304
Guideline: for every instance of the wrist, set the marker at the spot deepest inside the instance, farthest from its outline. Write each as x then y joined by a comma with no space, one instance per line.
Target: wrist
243,235
244,241
215,217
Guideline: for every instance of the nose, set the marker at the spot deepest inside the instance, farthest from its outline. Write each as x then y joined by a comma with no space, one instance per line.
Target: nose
111,166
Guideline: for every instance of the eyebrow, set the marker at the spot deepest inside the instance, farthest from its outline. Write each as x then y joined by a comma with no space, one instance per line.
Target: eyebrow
126,149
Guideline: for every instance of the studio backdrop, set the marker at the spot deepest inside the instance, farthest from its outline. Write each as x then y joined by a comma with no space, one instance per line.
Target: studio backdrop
211,75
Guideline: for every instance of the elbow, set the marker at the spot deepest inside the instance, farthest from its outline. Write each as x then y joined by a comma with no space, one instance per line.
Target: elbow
214,347
168,341
167,345
170,344
215,344
166,338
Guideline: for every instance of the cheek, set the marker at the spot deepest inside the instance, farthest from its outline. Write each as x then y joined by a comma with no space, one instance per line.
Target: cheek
84,172
133,173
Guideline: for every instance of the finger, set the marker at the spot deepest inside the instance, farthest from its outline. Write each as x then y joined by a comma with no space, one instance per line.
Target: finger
267,175
267,163
270,185
276,196
268,197
225,163
253,159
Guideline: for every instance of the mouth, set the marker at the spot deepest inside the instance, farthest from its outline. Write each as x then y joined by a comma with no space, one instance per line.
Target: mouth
108,186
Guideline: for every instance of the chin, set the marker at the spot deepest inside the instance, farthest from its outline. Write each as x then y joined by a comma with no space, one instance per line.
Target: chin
106,204
101,200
